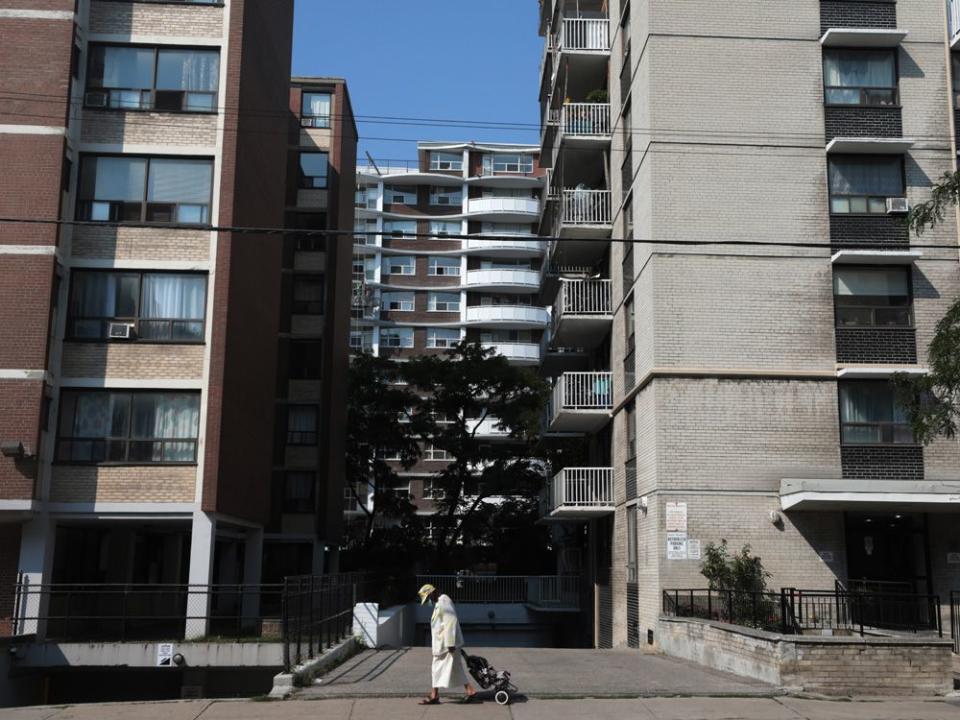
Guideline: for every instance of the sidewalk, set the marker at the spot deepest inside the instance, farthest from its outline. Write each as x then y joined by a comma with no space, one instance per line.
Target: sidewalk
781,708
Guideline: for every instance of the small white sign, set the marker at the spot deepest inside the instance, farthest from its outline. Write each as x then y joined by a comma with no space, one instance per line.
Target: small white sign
693,549
953,558
676,546
676,517
165,655
826,556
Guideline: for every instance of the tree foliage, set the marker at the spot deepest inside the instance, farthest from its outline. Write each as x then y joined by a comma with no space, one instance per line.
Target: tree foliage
741,572
944,195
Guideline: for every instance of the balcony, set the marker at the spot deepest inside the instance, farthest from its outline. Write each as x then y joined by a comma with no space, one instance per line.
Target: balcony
585,212
953,19
585,123
503,280
517,353
504,209
582,493
510,245
583,35
582,313
509,317
581,402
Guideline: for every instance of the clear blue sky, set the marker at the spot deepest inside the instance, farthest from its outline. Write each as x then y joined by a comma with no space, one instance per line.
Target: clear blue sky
472,60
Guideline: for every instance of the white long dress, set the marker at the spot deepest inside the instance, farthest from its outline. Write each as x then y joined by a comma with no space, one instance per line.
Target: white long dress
447,670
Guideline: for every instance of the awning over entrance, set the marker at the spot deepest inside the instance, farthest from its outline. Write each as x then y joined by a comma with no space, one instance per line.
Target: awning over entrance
910,495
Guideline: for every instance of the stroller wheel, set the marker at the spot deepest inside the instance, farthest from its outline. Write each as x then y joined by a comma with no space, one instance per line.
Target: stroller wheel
502,697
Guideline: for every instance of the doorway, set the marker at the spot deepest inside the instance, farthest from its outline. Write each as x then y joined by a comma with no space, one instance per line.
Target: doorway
887,553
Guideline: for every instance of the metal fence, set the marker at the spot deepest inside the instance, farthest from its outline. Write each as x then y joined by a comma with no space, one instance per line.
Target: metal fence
955,620
765,611
121,612
556,591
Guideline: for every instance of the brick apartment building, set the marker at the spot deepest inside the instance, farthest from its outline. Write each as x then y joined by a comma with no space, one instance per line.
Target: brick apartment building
420,295
743,392
145,355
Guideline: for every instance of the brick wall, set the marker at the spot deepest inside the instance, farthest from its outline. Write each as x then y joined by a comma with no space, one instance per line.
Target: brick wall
132,360
161,19
863,122
868,231
876,345
126,484
882,462
169,129
134,243
9,561
21,404
857,13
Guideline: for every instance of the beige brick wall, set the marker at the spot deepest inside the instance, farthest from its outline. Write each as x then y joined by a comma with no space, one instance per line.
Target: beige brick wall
180,129
170,20
128,484
317,138
135,243
132,360
312,199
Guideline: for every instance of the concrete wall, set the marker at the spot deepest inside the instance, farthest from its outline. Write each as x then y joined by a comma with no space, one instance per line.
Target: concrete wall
828,665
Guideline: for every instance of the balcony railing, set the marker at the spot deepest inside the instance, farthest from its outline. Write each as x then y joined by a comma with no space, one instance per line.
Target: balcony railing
588,488
584,297
519,352
504,278
586,119
954,16
588,391
510,241
584,34
512,315
504,206
586,207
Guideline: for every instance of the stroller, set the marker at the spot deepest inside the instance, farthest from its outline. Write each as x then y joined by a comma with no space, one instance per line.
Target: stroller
488,677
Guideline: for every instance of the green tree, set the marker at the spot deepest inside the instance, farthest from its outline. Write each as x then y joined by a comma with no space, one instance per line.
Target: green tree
742,572
466,390
932,402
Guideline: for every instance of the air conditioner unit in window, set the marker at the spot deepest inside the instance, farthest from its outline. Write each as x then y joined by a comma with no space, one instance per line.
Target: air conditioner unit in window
95,99
120,331
897,206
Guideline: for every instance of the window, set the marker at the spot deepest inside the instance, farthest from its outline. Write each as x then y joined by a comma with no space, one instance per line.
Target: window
308,295
298,492
443,302
863,184
124,77
440,228
365,232
442,337
505,264
388,454
443,266
432,490
955,59
434,453
489,228
869,415
313,169
399,265
446,195
396,337
136,428
507,163
161,307
302,425
506,193
399,489
872,297
631,431
398,301
511,300
860,77
365,269
361,340
494,337
393,195
446,161
632,544
366,198
141,189
400,228
312,242
306,359
315,110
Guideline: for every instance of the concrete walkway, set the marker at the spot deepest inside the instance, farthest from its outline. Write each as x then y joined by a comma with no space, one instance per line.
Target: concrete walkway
396,709
538,673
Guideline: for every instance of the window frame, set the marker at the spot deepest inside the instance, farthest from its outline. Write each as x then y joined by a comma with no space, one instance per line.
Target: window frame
442,191
127,439
308,307
492,166
876,159
864,89
396,332
70,333
445,343
295,346
881,425
872,308
434,262
151,106
392,192
85,214
296,506
406,301
432,302
390,232
303,438
436,164
320,122
310,182
390,259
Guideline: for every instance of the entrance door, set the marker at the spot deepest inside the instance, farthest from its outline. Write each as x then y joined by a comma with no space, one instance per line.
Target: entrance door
887,553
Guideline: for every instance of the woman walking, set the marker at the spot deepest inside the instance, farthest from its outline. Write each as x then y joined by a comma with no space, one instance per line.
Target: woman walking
447,669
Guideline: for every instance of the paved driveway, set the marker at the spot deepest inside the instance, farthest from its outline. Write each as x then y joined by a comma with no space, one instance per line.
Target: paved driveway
538,673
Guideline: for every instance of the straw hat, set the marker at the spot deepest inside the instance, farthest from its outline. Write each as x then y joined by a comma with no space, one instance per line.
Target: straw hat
425,592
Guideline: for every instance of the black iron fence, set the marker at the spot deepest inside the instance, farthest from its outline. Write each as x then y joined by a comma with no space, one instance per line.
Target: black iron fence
955,620
764,611
120,612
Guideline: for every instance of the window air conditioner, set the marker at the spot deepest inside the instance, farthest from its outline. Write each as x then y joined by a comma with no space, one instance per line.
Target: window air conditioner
120,331
897,206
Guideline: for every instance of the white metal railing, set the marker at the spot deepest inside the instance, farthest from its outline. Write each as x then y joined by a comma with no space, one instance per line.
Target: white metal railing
582,487
509,241
527,206
500,277
583,391
516,351
586,119
584,297
514,314
954,17
585,34
554,116
547,590
586,207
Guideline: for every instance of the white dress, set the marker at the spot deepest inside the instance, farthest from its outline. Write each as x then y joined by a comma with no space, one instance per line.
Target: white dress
447,670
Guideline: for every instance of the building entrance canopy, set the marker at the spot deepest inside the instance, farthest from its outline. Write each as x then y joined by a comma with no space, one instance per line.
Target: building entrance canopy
914,496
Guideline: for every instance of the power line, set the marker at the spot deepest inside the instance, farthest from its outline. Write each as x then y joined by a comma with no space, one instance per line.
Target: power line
250,230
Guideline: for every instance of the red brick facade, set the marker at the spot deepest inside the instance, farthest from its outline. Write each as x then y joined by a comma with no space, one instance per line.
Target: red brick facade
9,557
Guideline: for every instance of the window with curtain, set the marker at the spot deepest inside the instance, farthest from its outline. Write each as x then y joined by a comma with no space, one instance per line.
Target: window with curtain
298,490
443,302
443,266
308,294
446,161
145,189
302,425
314,168
136,427
315,111
872,297
442,337
125,77
862,185
870,415
440,195
860,77
306,359
162,307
